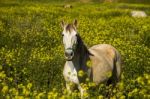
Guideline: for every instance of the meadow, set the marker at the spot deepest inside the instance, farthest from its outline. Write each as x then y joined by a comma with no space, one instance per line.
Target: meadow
31,49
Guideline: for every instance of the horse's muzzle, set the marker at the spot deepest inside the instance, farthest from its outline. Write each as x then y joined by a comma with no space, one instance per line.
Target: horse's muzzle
69,54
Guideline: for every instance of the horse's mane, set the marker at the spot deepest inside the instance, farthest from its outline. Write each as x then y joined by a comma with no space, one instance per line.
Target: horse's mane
83,53
81,46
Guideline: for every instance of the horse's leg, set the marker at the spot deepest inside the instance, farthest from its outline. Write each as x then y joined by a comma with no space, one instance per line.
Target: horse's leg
68,87
82,92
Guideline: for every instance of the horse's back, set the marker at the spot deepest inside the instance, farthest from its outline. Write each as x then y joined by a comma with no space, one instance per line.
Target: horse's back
103,57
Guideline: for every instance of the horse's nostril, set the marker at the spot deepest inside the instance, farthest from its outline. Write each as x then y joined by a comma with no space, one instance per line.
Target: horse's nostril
66,54
71,54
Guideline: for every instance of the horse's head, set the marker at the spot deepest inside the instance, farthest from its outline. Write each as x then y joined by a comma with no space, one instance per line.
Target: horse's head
69,39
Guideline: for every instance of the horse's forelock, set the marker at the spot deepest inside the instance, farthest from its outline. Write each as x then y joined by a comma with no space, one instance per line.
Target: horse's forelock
70,27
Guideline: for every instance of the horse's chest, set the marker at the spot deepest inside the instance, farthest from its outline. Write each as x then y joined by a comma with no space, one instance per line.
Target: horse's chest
70,73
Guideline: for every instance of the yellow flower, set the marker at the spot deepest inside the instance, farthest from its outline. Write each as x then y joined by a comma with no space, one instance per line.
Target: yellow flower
147,76
143,91
81,73
91,84
113,97
121,86
5,89
85,95
26,92
55,95
50,94
129,94
63,97
87,79
13,91
35,93
100,97
8,97
10,79
20,86
2,74
29,85
19,97
109,74
89,63
122,97
139,79
148,81
135,90
39,95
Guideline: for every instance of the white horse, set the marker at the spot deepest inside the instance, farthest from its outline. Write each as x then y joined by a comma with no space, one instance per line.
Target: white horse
105,60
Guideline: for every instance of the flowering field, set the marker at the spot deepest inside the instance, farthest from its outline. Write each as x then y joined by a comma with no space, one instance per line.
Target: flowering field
31,49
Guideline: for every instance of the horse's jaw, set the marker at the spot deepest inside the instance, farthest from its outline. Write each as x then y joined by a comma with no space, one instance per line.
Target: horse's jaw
68,59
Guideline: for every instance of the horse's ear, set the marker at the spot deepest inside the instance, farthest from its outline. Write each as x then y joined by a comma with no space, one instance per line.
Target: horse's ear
62,23
75,23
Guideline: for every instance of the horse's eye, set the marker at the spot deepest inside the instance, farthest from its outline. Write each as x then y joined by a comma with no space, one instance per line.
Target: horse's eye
62,34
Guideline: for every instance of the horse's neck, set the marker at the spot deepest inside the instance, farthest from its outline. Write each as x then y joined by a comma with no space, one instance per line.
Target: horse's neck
81,59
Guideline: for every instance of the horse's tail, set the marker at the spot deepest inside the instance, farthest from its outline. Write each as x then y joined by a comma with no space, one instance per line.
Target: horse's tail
117,65
116,72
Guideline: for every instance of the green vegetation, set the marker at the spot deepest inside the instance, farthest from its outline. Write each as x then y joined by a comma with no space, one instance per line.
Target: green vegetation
31,49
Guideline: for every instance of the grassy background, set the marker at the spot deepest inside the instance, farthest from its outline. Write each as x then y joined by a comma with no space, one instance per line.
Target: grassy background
31,50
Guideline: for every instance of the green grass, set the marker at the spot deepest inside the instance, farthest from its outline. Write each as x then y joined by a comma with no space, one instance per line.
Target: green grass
31,49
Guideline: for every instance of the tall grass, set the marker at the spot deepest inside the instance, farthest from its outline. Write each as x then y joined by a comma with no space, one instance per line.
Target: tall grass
31,52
